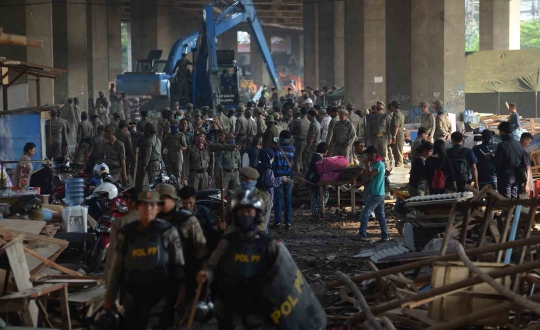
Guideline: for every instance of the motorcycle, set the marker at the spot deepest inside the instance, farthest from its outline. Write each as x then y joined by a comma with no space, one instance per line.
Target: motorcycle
99,202
116,209
63,170
162,177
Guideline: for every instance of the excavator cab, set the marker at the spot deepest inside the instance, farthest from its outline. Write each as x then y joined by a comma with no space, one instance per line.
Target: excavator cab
152,64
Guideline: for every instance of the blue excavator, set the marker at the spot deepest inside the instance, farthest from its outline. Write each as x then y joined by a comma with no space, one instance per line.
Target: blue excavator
215,76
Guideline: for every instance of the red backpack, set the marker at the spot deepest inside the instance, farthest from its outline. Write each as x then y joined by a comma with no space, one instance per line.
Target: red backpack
438,181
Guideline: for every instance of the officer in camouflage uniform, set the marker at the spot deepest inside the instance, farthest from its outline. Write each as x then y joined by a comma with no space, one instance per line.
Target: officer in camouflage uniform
314,133
197,160
115,155
259,118
397,134
251,128
149,157
230,161
443,126
85,132
123,135
343,136
379,128
173,144
192,236
56,135
135,142
427,121
164,126
96,151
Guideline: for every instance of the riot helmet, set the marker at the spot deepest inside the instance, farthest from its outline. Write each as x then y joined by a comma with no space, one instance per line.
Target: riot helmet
246,221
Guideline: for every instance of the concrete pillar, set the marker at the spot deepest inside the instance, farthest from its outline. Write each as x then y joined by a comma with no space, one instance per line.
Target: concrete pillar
365,51
398,52
70,51
339,43
438,53
39,26
98,48
311,43
149,28
114,38
325,28
129,52
500,24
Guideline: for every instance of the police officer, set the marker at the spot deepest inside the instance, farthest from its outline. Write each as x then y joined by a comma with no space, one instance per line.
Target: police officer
69,137
71,116
230,161
103,112
183,76
141,125
115,155
379,128
259,119
96,152
85,132
173,144
122,107
197,160
299,129
251,128
443,127
397,134
116,121
356,120
189,107
124,136
427,120
333,113
223,119
56,135
314,133
148,263
164,126
343,135
149,157
135,143
239,266
241,126
191,234
76,110
272,131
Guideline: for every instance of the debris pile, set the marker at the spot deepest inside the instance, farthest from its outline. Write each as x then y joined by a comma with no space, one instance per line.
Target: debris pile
480,270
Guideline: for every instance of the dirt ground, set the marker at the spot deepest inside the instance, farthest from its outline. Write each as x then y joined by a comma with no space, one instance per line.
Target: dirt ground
321,248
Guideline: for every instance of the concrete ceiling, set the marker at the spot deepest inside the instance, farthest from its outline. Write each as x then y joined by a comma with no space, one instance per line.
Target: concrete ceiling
287,13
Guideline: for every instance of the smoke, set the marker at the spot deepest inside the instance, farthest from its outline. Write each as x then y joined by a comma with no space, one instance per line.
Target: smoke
6,142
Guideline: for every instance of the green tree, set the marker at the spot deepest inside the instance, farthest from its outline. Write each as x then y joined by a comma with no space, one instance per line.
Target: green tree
125,47
530,35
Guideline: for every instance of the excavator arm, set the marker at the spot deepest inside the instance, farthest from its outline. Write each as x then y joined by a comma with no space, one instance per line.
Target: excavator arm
240,11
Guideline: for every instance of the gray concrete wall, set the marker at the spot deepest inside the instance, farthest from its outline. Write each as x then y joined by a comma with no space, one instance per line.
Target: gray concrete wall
365,51
339,43
60,51
98,74
114,36
13,20
398,48
326,43
77,52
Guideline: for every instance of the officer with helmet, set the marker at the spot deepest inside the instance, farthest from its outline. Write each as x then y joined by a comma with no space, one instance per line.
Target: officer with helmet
254,275
148,264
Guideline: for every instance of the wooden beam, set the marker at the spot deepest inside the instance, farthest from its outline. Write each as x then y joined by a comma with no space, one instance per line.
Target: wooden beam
50,263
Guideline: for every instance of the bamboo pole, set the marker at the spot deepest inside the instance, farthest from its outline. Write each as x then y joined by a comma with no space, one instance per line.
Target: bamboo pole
18,40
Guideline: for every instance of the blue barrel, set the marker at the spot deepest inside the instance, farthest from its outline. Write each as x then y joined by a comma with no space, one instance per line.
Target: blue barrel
74,191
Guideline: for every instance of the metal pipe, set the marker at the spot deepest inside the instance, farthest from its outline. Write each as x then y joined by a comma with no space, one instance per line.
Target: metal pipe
448,288
446,257
520,300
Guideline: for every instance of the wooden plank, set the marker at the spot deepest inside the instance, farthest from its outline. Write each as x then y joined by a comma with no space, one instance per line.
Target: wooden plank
18,238
25,226
449,227
34,292
64,306
50,263
14,306
87,296
509,217
21,274
419,315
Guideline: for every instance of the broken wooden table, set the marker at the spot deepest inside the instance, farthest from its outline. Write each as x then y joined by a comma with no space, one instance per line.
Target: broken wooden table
337,184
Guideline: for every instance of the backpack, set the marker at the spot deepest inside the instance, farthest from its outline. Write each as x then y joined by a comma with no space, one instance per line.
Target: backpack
461,166
438,181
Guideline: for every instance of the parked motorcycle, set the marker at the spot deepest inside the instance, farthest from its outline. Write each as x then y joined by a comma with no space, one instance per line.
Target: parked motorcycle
99,202
117,208
63,169
162,177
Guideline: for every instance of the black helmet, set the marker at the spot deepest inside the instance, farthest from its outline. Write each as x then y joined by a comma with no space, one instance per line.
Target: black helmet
61,164
106,320
246,199
204,312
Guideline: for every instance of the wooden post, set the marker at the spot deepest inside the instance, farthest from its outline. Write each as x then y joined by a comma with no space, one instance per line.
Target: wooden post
64,306
449,228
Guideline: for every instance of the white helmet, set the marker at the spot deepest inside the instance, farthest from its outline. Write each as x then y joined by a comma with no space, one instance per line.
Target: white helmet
308,100
101,169
106,189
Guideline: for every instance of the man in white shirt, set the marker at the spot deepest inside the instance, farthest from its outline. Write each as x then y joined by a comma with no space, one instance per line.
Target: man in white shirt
325,122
